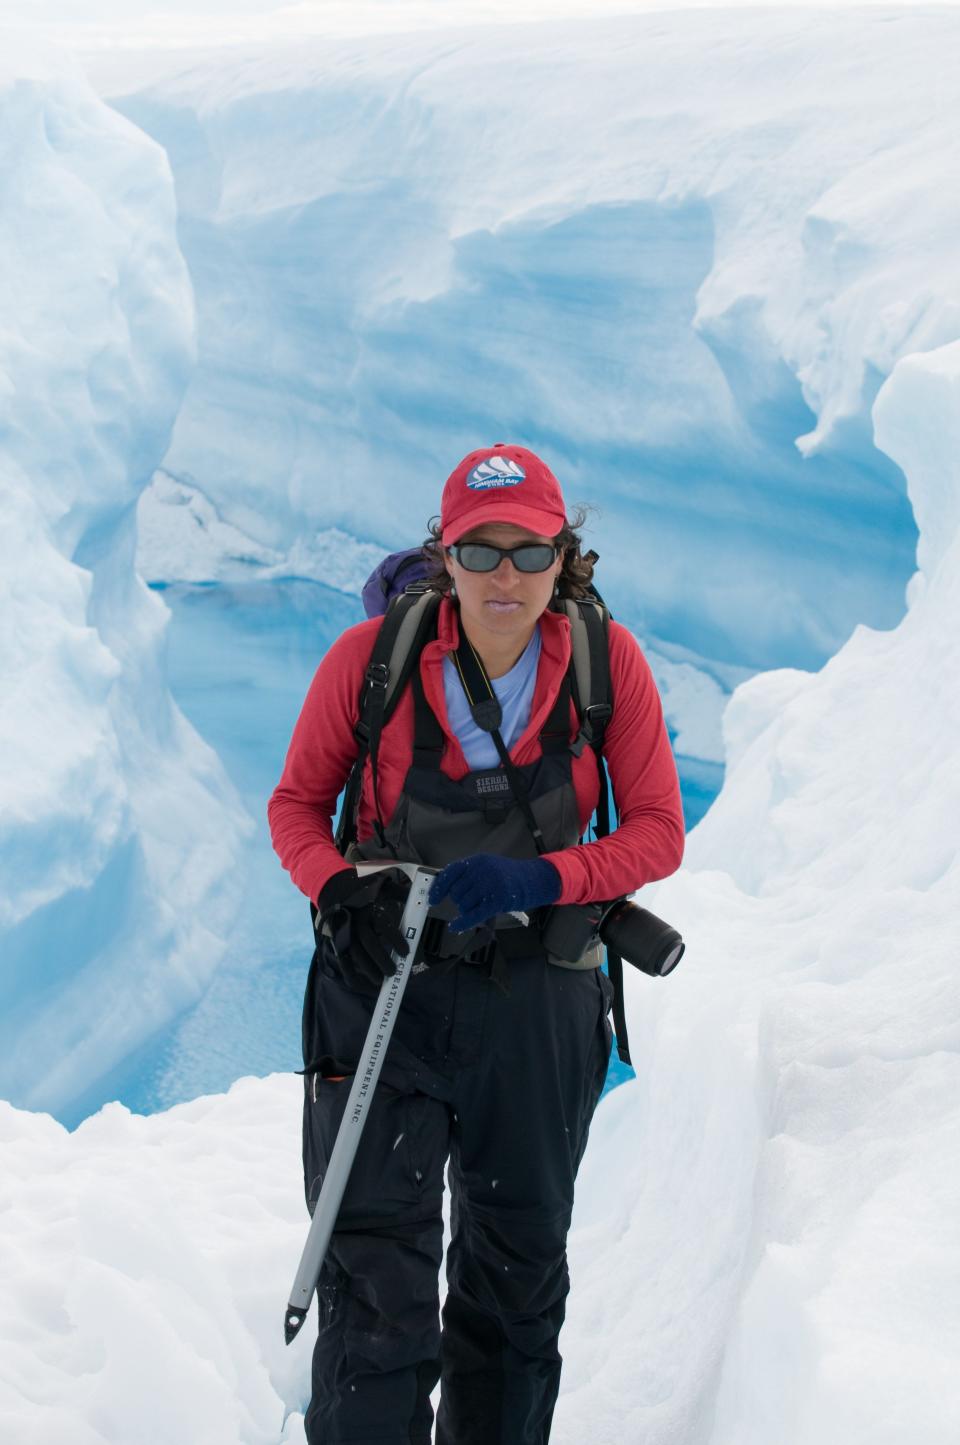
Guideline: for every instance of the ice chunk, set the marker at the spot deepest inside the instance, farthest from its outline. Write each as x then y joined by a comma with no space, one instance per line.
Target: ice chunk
119,831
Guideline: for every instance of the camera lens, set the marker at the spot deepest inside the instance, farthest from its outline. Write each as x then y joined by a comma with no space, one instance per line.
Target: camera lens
642,939
670,960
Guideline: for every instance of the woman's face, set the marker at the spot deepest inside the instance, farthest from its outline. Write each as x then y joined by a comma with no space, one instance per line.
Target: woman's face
504,603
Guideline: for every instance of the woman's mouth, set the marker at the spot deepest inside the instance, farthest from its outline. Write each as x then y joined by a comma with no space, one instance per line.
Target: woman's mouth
496,605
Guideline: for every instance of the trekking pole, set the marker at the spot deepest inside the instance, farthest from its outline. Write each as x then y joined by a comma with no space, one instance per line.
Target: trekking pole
364,1082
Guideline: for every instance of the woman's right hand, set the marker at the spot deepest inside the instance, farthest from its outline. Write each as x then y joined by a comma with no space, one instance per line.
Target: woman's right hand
362,917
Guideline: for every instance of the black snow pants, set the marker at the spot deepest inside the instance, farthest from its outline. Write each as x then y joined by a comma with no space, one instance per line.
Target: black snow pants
504,1088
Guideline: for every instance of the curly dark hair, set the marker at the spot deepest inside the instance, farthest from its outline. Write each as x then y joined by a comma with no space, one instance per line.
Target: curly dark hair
576,573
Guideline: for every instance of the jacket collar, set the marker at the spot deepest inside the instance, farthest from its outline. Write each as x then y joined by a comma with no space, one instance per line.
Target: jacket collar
555,648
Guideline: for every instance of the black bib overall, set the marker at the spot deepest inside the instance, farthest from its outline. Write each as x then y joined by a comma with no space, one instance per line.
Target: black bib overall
501,1087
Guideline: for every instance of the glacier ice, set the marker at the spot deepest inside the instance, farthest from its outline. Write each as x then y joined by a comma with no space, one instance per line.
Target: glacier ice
680,268
181,537
119,827
787,1156
764,1244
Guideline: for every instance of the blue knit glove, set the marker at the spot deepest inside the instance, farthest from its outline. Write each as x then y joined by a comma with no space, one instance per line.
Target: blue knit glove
485,885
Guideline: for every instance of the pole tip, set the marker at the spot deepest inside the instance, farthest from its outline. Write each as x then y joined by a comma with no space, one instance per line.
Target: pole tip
292,1321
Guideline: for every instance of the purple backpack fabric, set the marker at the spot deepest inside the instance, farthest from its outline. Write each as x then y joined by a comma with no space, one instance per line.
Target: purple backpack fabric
390,578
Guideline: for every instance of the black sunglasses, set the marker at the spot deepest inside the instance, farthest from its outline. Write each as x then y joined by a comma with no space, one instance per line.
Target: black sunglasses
483,557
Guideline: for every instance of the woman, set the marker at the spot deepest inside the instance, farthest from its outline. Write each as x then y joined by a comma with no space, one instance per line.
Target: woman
499,1081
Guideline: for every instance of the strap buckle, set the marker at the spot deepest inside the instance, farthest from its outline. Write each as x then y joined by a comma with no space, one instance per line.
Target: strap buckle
439,944
378,675
594,713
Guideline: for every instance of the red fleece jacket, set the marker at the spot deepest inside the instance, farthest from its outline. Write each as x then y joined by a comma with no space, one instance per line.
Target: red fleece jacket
647,844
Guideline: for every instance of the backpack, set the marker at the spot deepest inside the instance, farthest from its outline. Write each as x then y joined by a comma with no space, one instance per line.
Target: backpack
398,591
391,576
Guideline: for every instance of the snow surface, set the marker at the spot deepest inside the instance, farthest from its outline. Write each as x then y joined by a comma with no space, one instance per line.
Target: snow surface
783,1239
765,1244
119,828
175,23
181,537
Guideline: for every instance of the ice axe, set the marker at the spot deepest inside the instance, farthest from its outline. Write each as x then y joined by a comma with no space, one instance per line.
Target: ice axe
361,1093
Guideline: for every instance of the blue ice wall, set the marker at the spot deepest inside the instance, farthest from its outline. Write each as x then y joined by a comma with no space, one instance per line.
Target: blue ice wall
645,273
358,336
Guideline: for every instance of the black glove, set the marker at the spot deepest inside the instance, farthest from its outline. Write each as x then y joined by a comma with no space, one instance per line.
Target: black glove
363,918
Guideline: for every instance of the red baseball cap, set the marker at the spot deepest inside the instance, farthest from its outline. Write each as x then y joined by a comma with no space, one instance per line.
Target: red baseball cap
501,484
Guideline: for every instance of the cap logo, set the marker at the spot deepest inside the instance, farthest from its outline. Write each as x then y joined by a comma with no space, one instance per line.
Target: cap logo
495,472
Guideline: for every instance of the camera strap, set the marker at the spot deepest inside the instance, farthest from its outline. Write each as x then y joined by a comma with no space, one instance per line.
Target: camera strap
488,715
615,970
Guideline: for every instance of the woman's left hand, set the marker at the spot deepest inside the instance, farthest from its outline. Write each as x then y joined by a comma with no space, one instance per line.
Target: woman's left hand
484,885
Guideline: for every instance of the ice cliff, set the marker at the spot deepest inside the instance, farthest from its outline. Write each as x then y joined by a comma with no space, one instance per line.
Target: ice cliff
786,1162
677,254
118,826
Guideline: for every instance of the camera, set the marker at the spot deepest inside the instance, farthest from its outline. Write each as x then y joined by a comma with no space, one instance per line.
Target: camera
629,931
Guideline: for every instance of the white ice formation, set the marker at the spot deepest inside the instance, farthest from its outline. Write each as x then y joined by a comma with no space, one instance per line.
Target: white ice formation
765,1244
118,828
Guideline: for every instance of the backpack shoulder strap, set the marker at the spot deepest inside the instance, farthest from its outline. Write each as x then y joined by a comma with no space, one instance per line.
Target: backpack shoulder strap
407,624
589,627
589,631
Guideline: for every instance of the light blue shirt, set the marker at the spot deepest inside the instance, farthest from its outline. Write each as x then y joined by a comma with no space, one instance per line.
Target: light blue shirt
515,694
